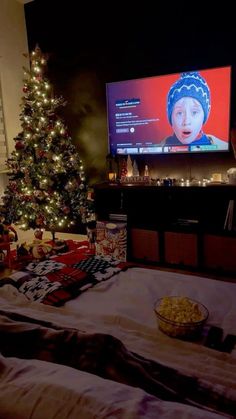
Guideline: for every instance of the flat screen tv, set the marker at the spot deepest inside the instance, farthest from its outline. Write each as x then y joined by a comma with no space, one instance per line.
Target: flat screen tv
177,113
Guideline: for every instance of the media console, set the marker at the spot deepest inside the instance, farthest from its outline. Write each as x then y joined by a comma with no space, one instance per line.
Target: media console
175,225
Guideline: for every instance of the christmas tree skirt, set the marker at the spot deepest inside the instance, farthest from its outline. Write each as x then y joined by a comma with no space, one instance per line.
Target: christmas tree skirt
61,277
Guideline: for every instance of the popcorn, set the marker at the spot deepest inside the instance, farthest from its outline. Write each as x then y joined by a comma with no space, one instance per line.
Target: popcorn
180,316
180,309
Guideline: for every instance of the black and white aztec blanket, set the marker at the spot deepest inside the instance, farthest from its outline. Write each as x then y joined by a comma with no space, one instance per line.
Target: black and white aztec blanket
61,278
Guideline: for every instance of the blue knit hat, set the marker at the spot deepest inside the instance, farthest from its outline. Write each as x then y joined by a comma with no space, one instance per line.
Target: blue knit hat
193,85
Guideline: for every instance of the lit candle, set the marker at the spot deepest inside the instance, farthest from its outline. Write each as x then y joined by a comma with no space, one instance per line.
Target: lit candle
112,176
216,177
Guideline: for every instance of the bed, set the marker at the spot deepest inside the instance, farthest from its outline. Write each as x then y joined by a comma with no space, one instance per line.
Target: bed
41,381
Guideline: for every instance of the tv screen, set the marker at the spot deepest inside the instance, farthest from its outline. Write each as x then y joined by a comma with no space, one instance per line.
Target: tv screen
177,113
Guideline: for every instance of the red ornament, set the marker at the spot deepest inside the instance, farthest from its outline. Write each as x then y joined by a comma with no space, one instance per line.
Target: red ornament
40,153
27,198
19,145
39,220
66,209
25,89
13,186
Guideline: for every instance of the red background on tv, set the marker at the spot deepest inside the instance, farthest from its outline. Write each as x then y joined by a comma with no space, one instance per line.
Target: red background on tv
153,93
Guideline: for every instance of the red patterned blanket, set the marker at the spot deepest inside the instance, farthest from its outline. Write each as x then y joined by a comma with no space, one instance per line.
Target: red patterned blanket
60,278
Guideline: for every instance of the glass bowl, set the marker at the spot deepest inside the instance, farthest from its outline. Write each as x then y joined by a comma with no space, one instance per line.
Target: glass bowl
180,317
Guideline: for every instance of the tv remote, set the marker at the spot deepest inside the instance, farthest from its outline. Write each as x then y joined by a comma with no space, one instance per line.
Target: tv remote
214,338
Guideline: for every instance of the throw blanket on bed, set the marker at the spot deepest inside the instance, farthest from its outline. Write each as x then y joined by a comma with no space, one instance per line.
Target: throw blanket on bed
105,356
60,278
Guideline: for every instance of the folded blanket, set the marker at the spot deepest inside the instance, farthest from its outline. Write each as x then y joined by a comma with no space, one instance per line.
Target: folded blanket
106,356
59,279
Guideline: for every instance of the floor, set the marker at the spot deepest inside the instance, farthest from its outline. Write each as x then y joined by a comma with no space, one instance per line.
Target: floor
28,237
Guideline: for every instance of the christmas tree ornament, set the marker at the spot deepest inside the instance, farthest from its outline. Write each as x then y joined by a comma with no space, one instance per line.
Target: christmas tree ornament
40,220
19,145
66,209
135,169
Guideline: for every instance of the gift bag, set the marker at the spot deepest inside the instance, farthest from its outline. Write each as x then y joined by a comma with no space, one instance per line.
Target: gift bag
111,239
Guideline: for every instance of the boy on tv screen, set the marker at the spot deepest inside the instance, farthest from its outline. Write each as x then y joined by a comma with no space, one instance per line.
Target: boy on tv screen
188,108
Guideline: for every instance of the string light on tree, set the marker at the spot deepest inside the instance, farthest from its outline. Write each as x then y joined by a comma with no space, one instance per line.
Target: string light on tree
47,187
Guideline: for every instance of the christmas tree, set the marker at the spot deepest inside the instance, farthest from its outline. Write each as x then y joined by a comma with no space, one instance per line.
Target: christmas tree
129,166
47,186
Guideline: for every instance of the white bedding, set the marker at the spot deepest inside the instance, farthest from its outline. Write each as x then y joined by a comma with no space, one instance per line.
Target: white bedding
132,295
32,389
123,306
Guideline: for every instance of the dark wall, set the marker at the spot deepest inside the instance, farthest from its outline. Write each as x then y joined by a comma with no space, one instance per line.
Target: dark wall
90,45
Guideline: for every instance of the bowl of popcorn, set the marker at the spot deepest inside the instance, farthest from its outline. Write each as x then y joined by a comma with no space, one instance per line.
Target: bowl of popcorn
180,317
